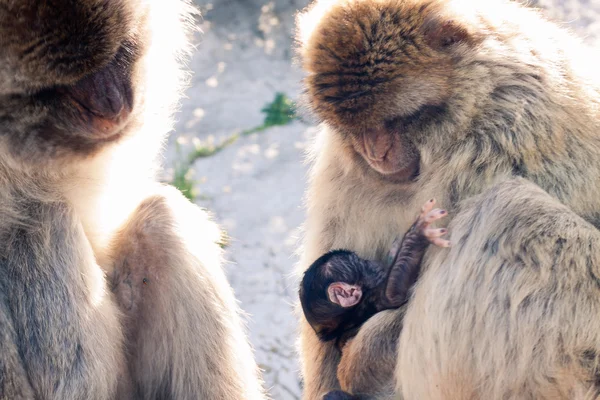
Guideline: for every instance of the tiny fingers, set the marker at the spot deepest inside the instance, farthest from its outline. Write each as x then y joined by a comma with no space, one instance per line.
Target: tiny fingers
435,215
434,233
427,217
440,242
427,206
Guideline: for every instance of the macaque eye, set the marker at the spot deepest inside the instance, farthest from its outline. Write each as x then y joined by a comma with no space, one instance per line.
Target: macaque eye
448,41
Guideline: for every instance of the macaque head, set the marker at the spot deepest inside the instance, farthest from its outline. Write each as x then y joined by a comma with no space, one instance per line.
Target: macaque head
333,290
381,74
71,77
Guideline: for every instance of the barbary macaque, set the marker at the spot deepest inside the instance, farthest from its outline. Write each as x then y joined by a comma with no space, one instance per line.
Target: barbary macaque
495,112
111,284
340,290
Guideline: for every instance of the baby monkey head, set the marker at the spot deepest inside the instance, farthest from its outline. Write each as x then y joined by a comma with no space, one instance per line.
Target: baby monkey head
380,73
335,293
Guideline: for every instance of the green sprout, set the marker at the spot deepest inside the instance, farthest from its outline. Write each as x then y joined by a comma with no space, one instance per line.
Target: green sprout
279,112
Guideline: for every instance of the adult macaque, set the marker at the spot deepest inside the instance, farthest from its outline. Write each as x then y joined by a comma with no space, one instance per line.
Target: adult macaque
451,98
87,88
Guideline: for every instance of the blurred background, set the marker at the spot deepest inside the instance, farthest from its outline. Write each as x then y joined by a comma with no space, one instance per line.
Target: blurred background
238,151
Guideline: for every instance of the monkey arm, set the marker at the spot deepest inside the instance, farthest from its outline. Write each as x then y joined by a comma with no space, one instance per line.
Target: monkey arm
14,383
182,324
367,366
405,268
394,251
407,253
60,337
319,369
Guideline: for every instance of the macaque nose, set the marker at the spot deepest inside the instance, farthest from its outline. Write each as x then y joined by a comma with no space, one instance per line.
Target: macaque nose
103,93
107,95
377,142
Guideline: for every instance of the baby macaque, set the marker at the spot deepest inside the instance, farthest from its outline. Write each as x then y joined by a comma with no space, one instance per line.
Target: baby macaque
340,290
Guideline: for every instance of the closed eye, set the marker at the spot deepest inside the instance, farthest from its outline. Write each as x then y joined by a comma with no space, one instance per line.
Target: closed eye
425,112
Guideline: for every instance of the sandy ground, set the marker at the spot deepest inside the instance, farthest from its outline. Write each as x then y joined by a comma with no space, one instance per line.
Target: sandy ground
254,187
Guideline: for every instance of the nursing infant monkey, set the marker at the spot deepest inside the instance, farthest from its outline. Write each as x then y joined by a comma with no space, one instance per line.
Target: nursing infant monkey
340,290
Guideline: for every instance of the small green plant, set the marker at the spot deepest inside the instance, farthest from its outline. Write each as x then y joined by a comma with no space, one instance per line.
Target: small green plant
181,176
279,112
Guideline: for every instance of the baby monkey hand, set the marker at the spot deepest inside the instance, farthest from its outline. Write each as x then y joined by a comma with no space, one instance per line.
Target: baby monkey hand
422,226
420,235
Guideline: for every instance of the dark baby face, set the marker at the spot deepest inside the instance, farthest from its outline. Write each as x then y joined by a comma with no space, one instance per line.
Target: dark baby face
333,290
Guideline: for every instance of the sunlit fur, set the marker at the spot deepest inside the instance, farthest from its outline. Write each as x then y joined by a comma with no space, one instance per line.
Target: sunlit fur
517,96
511,311
74,221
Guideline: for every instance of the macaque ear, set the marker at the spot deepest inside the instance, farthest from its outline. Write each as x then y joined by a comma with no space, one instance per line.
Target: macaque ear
442,34
344,294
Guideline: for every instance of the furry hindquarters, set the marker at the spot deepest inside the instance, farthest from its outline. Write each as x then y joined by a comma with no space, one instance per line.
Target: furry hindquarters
185,336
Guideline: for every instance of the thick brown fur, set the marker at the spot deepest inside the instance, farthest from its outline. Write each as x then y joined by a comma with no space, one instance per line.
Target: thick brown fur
111,285
475,93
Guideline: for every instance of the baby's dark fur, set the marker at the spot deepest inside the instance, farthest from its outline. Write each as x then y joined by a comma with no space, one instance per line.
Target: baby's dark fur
330,320
341,291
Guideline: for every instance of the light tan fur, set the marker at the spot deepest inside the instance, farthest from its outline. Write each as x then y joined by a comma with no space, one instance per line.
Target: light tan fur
361,378
521,99
171,249
510,312
111,285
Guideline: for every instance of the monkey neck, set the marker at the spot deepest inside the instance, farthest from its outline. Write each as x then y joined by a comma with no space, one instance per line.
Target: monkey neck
105,191
339,201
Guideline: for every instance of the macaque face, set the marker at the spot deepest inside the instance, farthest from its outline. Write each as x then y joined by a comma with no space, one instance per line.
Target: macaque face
381,76
66,75
387,151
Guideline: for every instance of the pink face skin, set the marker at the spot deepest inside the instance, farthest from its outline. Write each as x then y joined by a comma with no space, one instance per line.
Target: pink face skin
344,294
388,154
